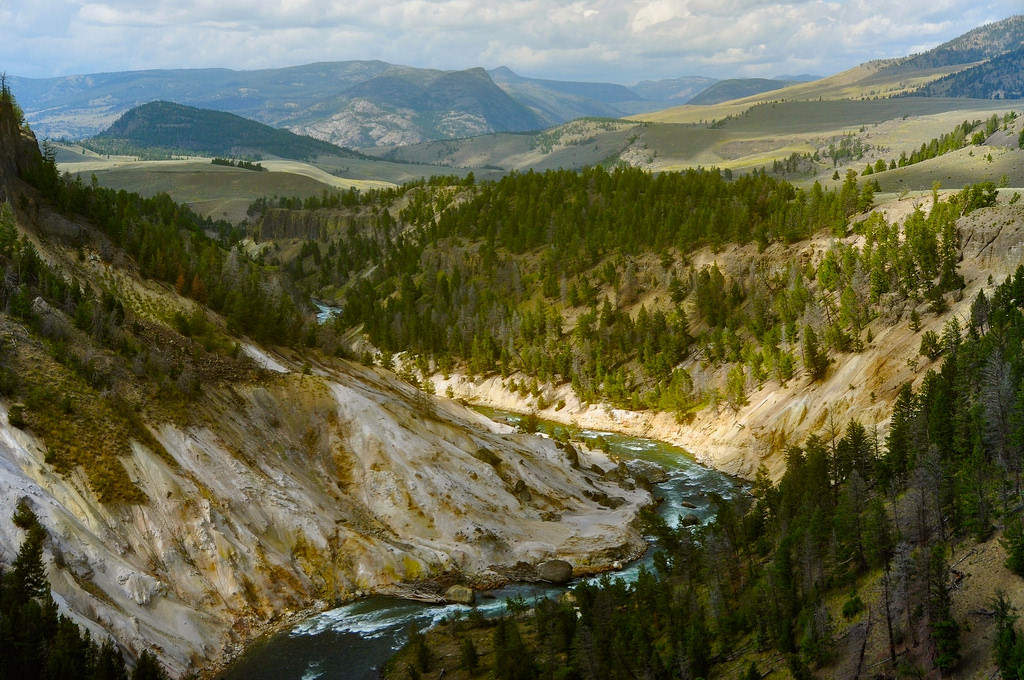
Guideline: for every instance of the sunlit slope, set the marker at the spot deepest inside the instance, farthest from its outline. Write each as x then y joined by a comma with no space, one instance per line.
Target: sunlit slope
866,81
773,131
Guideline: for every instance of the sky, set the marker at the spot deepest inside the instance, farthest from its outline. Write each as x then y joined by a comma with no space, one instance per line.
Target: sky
619,41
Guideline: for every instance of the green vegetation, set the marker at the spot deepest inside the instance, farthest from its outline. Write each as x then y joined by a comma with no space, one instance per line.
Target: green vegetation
170,243
81,367
245,165
39,643
533,273
1009,642
958,138
767,576
164,130
9,104
997,77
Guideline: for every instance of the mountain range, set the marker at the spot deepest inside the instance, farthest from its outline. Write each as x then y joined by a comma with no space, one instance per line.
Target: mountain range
352,104
367,104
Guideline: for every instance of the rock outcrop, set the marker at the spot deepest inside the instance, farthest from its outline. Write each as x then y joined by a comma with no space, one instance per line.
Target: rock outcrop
301,491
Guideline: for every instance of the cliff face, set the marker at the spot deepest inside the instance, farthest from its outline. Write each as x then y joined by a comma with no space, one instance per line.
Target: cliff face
299,492
18,148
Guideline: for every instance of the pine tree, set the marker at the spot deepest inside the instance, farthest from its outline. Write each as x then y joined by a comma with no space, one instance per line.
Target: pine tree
1013,542
1008,643
148,668
944,630
815,359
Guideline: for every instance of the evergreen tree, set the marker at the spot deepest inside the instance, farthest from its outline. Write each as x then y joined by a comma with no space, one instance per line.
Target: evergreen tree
148,668
816,361
944,630
1008,643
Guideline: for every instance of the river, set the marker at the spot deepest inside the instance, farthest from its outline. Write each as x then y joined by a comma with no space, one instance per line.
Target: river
353,641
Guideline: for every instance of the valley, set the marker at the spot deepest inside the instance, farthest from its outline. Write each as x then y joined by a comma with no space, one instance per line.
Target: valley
816,288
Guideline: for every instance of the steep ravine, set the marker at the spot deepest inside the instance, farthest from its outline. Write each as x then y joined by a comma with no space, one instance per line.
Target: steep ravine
300,491
858,386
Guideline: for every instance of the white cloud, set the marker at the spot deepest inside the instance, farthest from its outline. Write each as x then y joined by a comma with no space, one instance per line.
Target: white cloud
619,40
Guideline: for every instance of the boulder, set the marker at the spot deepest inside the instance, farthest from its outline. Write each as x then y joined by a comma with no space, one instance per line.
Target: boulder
690,520
554,571
460,595
646,472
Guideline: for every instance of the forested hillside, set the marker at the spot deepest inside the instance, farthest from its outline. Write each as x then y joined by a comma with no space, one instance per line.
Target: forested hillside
199,461
998,78
840,567
535,273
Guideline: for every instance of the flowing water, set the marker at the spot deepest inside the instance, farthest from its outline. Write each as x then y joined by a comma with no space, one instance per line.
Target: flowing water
352,642
325,312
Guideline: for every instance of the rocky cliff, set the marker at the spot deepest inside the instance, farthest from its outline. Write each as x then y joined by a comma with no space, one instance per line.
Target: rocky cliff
288,483
301,491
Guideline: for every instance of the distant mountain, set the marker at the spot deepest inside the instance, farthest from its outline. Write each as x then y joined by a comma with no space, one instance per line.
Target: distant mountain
673,91
176,128
404,105
1001,77
334,100
80,106
984,42
560,101
737,88
556,101
350,103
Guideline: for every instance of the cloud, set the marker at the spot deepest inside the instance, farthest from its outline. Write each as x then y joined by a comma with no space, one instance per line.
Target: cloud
619,40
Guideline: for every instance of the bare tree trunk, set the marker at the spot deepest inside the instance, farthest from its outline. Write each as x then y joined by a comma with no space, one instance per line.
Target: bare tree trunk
888,615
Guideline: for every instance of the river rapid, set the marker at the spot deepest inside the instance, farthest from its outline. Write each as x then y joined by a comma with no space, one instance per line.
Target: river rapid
353,641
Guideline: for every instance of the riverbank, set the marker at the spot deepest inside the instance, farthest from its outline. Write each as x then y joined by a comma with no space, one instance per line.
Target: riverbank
705,437
355,640
773,416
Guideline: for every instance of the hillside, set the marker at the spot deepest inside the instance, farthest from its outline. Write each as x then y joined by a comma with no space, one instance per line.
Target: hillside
980,44
895,76
203,464
555,102
811,138
184,130
997,78
404,106
736,88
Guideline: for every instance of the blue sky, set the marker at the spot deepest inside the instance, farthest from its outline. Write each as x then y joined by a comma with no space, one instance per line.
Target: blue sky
622,41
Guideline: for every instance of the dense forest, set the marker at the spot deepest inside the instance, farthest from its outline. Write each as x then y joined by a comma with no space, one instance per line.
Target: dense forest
851,510
534,273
